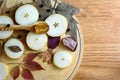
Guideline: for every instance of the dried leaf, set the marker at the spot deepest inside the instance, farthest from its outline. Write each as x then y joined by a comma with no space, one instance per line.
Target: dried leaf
50,51
73,29
47,3
27,75
51,57
33,66
70,43
47,56
30,57
68,11
14,48
53,42
15,72
44,8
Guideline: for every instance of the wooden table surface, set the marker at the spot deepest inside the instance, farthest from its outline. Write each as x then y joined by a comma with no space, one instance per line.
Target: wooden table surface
100,23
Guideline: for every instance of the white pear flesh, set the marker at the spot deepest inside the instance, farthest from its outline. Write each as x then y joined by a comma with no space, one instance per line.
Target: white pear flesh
62,59
4,70
26,15
36,41
58,25
5,20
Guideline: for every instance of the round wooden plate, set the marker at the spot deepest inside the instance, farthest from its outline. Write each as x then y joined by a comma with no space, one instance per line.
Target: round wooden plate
50,72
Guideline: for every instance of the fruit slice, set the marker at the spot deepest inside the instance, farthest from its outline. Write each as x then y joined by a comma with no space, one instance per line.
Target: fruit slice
14,48
62,59
26,15
5,20
36,41
57,25
4,70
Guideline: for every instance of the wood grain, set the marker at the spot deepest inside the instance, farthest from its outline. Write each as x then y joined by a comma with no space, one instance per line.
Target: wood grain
100,23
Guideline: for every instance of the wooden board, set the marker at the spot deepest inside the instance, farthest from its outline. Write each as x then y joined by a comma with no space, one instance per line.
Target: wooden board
100,23
51,72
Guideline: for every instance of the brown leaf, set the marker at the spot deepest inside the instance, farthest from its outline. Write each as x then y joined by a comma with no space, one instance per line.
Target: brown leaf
50,51
30,57
27,75
14,48
47,56
50,61
15,72
33,66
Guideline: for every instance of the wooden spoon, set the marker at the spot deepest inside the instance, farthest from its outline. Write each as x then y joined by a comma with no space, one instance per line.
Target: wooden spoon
38,28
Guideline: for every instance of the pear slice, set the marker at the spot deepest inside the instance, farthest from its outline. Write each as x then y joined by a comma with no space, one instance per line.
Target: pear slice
5,20
26,15
4,70
36,41
14,48
57,25
62,59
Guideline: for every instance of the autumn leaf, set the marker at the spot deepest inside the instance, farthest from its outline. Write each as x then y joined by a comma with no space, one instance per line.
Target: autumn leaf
44,8
73,29
47,56
27,75
15,72
70,43
53,42
68,11
33,66
30,57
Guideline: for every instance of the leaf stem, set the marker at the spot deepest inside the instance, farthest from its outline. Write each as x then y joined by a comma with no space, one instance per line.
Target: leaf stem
55,4
54,7
21,66
14,63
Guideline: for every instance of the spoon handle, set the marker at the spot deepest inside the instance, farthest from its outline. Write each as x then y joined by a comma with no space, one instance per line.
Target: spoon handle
16,27
38,28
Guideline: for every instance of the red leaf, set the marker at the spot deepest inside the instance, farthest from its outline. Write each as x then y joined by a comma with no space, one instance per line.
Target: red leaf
30,57
27,75
53,42
33,66
15,72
